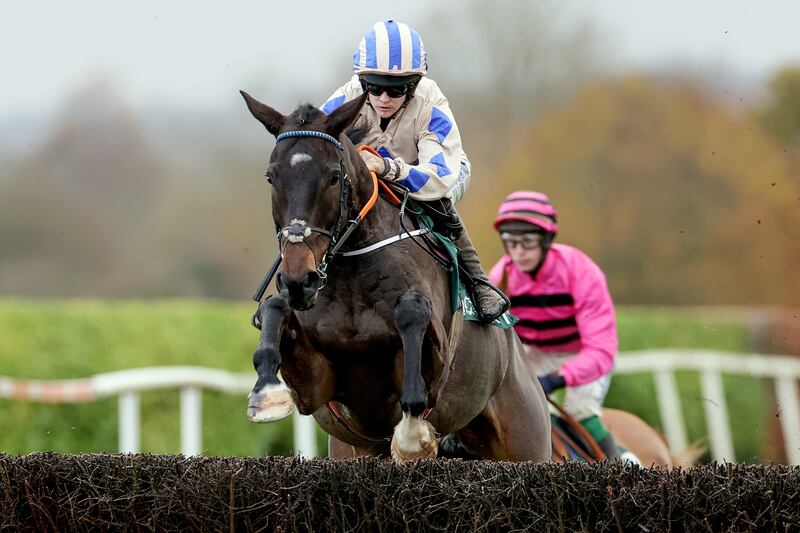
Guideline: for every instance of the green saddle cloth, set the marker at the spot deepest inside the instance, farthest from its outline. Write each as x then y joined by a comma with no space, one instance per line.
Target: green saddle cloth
459,296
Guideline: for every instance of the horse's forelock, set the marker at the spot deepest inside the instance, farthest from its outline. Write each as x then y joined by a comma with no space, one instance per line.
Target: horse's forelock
304,116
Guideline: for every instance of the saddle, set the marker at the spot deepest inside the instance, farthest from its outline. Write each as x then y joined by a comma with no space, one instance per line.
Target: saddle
570,440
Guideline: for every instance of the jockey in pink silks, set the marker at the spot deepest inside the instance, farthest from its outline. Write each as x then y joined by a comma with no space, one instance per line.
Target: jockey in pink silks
566,317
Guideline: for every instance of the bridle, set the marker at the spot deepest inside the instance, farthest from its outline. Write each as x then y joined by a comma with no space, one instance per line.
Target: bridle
298,230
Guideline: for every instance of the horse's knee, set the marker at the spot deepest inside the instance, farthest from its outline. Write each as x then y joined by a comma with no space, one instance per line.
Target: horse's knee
275,304
272,314
412,312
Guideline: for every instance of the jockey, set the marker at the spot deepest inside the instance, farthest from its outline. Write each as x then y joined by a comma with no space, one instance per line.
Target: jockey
567,320
410,124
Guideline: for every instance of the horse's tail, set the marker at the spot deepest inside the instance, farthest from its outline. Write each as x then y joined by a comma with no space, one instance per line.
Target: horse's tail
690,455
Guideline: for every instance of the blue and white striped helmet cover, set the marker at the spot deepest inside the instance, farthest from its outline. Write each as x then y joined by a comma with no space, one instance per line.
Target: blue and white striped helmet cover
390,48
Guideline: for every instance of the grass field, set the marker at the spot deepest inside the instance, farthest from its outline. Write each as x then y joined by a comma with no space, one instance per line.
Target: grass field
42,339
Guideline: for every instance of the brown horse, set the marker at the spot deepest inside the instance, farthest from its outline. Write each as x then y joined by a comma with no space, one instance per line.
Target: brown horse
646,442
633,433
369,343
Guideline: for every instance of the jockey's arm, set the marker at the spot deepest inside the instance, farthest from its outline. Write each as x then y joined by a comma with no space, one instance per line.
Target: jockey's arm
595,317
439,155
438,145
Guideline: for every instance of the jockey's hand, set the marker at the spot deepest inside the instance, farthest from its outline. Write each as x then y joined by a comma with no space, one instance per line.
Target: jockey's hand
374,163
552,382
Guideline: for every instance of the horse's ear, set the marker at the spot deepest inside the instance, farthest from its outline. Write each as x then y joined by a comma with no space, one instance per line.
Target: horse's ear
344,115
270,118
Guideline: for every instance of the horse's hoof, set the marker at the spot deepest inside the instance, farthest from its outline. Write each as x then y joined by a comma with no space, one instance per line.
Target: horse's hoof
413,438
270,404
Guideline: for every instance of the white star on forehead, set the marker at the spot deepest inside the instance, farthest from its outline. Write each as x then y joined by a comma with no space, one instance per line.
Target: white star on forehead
298,158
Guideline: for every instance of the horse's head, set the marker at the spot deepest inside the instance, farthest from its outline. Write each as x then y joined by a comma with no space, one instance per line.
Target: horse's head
311,190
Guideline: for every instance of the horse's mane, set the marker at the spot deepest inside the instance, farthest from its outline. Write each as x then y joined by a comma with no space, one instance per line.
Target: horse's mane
357,133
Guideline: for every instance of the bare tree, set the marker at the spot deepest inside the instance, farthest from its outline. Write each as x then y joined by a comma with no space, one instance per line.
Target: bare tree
506,61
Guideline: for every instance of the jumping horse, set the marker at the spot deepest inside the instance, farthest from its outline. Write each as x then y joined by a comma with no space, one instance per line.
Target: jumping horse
365,336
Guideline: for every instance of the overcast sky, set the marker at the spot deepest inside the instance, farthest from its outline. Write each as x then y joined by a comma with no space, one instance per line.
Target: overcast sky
181,53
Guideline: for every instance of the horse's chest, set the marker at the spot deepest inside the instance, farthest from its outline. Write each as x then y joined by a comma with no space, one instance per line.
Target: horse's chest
346,330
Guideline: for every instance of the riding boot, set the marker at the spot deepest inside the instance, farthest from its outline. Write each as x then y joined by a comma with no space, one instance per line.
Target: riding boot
490,302
609,447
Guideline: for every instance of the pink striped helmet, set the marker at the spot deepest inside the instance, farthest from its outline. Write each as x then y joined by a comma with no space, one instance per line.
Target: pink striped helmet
529,207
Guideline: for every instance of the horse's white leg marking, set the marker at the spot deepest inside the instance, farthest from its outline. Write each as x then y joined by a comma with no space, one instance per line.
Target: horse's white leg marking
414,438
271,403
298,158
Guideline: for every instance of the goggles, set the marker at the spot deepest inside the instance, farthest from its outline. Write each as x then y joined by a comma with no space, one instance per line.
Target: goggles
528,241
391,92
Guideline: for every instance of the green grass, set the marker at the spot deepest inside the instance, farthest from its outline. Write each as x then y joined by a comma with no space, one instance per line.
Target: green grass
42,339
73,339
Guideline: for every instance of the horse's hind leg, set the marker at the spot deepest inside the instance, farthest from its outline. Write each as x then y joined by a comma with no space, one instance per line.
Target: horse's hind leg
521,418
413,437
270,399
515,425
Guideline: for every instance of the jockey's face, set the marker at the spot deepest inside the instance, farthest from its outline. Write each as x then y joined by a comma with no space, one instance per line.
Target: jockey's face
525,249
385,105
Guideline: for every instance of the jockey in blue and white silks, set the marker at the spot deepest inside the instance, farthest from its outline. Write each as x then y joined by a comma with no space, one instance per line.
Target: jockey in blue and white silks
410,124
421,138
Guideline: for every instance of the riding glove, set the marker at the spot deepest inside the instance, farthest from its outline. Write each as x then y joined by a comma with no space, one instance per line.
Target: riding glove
552,382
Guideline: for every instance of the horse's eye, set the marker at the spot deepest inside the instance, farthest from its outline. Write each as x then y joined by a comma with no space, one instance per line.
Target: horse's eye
269,178
335,177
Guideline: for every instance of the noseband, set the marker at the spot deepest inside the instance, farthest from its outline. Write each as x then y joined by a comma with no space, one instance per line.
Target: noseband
298,230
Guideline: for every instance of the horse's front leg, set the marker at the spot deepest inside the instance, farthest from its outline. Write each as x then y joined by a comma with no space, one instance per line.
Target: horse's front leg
413,437
270,399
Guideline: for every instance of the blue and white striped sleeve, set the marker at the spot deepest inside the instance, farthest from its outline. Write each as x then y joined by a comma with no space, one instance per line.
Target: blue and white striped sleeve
335,100
440,153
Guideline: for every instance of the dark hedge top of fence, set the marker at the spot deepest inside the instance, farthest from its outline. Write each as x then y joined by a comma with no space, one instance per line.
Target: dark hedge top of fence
48,491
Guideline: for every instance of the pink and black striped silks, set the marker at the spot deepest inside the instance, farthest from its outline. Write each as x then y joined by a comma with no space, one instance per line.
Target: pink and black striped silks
565,308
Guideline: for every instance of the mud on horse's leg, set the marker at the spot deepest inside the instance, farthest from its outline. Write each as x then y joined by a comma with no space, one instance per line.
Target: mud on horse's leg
270,399
413,437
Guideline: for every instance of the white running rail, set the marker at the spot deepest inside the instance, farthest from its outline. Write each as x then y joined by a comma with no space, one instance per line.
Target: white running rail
784,370
128,384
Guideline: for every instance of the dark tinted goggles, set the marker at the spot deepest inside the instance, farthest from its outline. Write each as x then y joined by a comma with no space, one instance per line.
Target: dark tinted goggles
392,92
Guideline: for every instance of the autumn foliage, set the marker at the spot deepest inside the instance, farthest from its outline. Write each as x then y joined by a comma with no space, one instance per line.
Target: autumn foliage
678,198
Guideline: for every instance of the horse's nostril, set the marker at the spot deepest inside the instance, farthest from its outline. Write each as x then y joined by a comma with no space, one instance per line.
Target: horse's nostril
312,278
280,284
